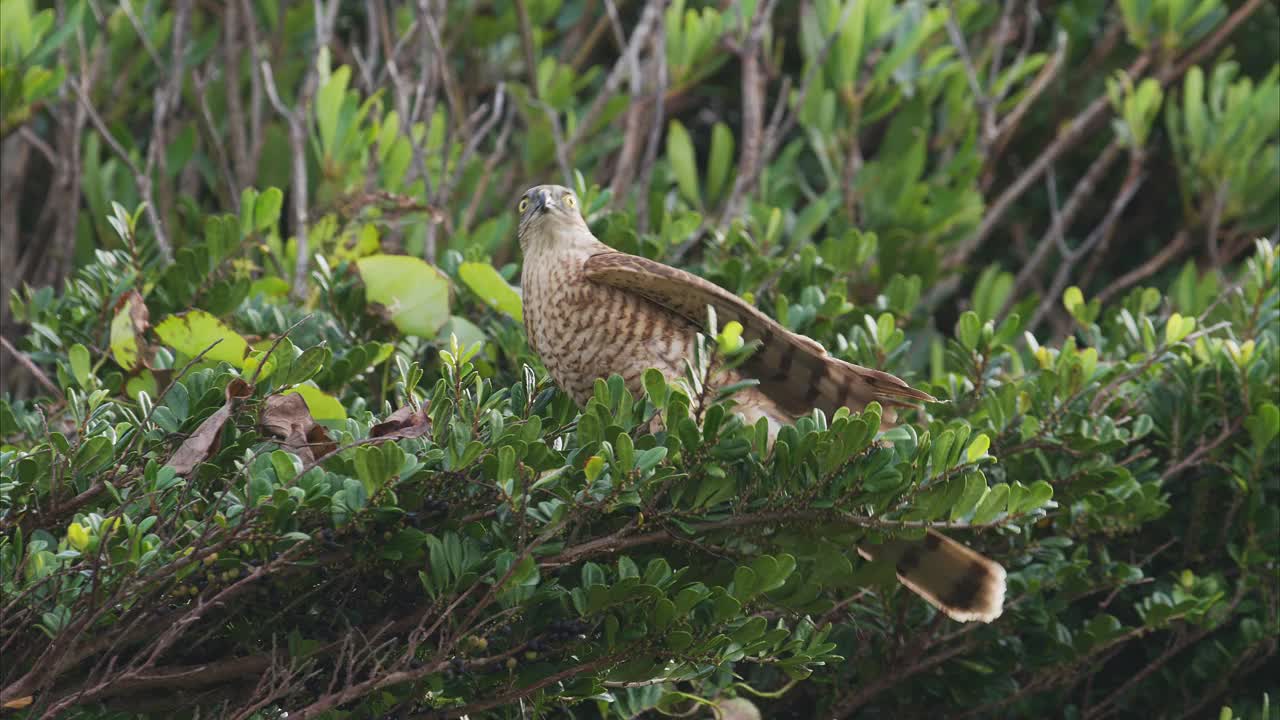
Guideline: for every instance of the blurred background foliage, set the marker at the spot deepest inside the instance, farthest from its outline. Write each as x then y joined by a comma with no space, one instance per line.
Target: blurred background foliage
1051,214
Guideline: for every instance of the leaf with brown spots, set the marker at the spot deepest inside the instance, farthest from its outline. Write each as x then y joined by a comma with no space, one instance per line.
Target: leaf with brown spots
288,419
404,423
203,443
131,320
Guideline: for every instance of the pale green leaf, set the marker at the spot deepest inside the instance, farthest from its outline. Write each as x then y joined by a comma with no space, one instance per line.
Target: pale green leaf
485,282
192,332
415,294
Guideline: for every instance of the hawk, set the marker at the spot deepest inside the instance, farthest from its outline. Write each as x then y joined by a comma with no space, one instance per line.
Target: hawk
591,311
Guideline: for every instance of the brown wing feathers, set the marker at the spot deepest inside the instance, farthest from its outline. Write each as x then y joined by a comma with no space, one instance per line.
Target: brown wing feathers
794,371
952,577
797,375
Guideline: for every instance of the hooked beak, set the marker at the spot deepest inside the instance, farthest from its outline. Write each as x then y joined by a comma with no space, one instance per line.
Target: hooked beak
543,201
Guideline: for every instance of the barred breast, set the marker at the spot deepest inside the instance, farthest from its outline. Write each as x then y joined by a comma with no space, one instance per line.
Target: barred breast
583,330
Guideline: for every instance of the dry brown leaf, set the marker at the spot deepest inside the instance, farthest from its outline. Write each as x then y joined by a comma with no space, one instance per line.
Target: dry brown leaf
19,703
404,423
288,419
139,315
203,443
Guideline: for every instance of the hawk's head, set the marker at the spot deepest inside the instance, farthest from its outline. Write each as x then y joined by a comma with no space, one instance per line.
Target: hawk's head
546,211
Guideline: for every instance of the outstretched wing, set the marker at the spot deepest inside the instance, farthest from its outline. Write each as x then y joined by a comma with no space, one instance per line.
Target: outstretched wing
794,371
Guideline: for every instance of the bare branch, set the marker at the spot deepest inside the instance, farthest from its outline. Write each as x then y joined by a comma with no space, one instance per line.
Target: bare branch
1054,235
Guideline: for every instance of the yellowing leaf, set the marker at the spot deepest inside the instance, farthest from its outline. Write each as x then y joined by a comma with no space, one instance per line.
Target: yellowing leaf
78,536
1178,328
730,338
485,281
1072,299
322,405
129,322
191,332
978,448
594,467
415,294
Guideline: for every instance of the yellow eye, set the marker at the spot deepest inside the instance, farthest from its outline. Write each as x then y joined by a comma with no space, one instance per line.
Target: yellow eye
570,200
524,204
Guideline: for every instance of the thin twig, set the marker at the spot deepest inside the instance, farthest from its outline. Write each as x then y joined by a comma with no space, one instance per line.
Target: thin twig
1073,133
751,158
1153,265
658,55
1057,228
1071,257
1078,129
526,43
139,177
627,64
32,368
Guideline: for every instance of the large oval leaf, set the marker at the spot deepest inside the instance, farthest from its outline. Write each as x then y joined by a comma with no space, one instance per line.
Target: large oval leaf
191,332
485,281
415,294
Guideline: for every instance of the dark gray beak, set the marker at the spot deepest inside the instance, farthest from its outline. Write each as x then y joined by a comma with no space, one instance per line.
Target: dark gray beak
543,201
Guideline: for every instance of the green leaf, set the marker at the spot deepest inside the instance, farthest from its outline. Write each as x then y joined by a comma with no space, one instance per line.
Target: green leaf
1038,495
975,487
94,454
370,468
720,162
329,106
664,611
679,640
286,466
192,332
1263,426
991,291
726,607
969,330
744,583
266,211
81,365
978,448
1177,328
684,164
307,365
1072,298
992,505
485,282
467,332
414,293
772,573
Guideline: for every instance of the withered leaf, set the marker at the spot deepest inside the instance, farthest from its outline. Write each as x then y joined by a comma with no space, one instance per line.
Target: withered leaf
19,703
203,443
288,419
404,423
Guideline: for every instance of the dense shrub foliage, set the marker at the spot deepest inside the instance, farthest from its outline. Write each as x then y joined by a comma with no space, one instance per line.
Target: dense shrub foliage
273,440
